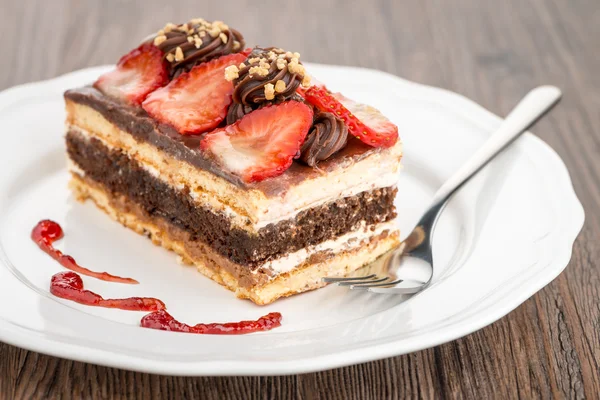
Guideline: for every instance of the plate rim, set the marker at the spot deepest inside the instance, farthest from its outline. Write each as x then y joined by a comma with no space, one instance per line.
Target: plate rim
14,334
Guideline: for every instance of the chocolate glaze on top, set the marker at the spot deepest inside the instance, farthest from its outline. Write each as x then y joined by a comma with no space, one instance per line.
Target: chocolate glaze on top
139,124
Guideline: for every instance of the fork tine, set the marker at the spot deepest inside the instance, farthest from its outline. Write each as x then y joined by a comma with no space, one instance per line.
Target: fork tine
365,286
359,278
352,283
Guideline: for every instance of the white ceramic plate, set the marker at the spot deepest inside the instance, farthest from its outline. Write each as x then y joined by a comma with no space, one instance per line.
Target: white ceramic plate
504,237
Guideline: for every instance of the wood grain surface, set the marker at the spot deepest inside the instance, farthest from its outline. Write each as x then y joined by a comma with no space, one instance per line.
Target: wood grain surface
490,51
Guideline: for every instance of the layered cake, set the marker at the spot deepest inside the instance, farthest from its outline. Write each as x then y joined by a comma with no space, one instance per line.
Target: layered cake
231,158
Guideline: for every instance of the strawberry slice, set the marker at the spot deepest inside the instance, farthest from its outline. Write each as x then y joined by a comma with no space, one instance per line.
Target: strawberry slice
195,101
138,73
313,82
263,143
364,122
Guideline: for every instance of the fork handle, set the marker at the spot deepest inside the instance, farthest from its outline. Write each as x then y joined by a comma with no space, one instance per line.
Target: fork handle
531,108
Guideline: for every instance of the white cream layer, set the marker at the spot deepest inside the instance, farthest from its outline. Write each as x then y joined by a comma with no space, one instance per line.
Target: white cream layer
370,174
342,243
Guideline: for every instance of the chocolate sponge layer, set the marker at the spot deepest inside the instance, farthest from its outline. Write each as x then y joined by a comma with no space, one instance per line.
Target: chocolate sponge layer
119,174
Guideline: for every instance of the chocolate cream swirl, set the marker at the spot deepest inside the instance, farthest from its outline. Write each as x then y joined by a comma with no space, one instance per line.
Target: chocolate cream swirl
267,76
187,45
327,136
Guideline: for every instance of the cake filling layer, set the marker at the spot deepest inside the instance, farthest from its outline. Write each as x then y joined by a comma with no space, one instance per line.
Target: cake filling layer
119,174
256,285
346,242
174,159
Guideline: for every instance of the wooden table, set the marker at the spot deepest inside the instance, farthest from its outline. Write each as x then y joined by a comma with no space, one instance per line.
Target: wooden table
490,51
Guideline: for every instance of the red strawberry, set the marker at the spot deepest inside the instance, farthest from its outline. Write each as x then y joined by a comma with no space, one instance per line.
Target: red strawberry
263,143
195,101
138,73
313,82
364,122
246,51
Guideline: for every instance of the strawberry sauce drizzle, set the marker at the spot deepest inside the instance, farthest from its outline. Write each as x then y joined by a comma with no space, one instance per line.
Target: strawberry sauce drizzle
69,285
46,232
163,321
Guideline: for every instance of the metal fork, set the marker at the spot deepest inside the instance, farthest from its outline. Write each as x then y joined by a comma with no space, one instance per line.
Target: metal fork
418,244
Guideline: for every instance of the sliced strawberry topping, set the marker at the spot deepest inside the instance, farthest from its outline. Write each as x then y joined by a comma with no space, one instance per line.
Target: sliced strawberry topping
138,73
195,101
263,143
313,82
364,122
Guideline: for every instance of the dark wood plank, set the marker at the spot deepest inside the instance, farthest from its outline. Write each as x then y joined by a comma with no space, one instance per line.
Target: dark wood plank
492,52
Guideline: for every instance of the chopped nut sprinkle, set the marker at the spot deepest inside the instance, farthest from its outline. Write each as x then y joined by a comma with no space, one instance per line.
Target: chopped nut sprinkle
223,37
306,81
236,45
214,31
221,25
294,67
197,42
242,65
281,63
179,54
260,71
159,39
169,27
269,91
170,57
264,64
280,86
232,72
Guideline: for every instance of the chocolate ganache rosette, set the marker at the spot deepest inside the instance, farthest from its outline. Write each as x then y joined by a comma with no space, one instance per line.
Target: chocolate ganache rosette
328,135
195,42
268,76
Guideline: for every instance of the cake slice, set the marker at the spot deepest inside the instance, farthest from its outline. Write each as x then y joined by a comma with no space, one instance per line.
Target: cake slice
232,160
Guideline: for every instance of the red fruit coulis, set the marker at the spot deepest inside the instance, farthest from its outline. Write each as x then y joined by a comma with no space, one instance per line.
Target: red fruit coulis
46,232
162,320
69,285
